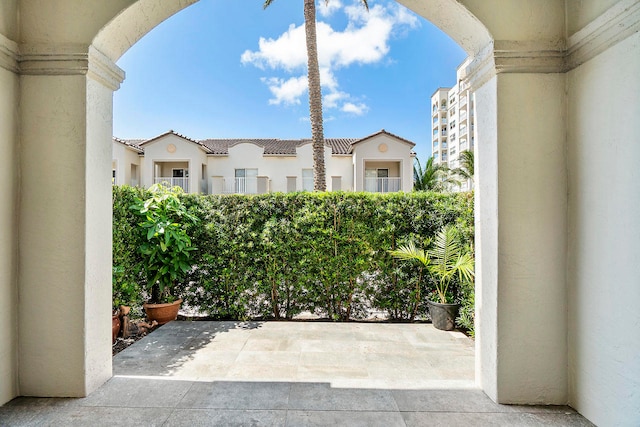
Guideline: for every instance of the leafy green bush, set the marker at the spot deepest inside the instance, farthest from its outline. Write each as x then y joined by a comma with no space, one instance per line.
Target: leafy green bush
167,247
275,255
128,276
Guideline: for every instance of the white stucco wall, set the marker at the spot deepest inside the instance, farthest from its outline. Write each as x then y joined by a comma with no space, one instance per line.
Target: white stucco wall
278,168
604,236
521,198
124,157
8,226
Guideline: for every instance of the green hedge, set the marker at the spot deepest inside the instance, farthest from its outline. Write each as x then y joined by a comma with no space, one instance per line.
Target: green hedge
276,255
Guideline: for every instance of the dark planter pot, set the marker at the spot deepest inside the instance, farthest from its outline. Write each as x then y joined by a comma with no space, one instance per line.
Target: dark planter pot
115,327
162,313
443,316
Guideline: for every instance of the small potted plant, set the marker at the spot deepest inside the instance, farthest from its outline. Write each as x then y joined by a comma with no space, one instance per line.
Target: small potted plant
447,262
167,249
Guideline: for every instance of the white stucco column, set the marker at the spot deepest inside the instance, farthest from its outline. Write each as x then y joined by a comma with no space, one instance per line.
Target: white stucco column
65,219
521,228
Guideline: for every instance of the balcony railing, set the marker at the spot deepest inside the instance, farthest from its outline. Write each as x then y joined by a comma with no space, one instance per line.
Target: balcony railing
241,185
382,185
173,182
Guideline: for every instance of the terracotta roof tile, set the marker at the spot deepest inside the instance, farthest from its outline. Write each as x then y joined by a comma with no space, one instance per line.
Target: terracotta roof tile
270,146
133,143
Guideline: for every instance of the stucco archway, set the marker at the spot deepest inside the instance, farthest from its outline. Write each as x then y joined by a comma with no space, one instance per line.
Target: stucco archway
548,188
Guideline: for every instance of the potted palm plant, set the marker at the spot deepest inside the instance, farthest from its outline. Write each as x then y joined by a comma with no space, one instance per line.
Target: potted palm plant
167,249
449,263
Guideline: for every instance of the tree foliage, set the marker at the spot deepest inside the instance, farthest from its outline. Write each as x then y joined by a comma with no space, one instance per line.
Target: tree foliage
434,177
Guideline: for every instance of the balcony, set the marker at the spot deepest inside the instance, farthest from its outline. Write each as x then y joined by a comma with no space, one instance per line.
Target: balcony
173,182
240,185
463,101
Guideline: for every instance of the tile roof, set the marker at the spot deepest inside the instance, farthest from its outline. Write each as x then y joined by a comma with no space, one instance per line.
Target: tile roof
270,146
277,147
132,143
382,131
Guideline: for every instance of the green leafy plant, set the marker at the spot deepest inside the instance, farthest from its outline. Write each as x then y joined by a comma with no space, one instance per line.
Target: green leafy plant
447,261
167,250
275,255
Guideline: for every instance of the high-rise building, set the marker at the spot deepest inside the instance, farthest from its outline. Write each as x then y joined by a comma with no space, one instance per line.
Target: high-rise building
452,123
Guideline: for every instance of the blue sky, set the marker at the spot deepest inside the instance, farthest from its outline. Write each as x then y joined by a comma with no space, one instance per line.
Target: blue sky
229,69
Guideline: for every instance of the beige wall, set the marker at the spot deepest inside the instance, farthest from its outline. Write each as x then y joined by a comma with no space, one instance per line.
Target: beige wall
123,159
9,90
582,12
278,168
604,235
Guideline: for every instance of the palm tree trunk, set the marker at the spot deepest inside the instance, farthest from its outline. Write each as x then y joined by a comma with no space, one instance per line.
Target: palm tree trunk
315,96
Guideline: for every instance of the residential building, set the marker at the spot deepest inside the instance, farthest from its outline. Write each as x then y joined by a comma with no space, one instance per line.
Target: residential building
452,118
381,163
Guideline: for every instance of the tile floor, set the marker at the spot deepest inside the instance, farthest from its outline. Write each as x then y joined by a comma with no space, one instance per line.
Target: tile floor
290,374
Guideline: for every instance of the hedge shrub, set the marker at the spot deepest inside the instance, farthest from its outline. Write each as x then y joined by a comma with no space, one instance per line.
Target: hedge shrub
276,255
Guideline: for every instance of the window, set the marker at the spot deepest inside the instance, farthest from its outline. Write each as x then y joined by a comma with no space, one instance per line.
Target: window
113,177
307,179
180,173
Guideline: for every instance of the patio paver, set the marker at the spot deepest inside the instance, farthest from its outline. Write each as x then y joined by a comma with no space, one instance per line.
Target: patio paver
290,374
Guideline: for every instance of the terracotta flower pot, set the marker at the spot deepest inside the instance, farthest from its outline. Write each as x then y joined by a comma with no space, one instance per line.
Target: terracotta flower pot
163,313
115,327
443,316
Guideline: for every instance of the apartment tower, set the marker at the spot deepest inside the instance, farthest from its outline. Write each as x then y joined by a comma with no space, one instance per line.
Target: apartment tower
452,118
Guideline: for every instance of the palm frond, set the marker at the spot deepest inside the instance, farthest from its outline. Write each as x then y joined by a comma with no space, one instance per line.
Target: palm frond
410,252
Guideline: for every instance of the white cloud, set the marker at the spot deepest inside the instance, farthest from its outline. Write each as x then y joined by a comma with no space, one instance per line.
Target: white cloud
332,100
327,9
357,109
364,40
287,51
286,91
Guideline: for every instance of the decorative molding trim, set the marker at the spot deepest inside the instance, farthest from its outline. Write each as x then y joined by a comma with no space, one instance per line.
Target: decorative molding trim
616,24
9,53
104,70
69,60
481,69
528,57
556,56
53,60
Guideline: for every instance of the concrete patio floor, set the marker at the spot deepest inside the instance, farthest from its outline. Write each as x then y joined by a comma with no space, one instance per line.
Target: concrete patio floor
290,374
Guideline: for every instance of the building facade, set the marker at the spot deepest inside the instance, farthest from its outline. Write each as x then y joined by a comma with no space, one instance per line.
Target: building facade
380,163
452,118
